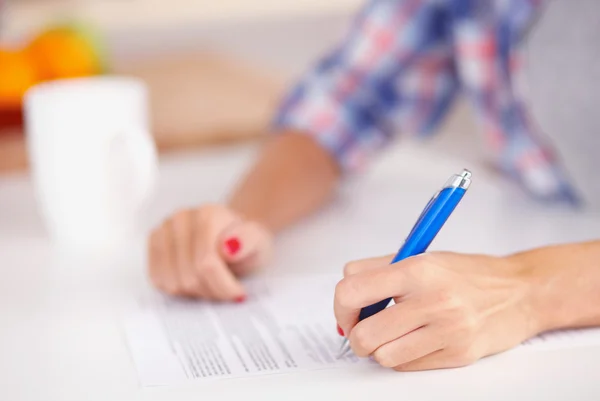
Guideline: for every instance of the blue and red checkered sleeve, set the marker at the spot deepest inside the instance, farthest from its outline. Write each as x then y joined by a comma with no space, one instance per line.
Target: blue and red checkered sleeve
401,66
392,71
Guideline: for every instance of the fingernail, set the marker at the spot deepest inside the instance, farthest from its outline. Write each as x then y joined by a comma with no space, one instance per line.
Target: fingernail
340,331
240,299
233,245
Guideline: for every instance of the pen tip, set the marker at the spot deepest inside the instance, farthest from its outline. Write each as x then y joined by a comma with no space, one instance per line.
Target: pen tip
343,349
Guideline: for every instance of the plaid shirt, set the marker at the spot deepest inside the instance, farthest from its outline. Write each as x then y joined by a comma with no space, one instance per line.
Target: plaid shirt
400,68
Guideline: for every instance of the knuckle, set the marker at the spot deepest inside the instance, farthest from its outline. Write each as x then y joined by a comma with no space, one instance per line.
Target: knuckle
209,210
468,322
180,216
180,224
207,269
461,334
415,269
466,356
345,292
458,331
215,297
434,258
202,259
384,358
457,317
361,340
350,268
170,288
190,284
423,268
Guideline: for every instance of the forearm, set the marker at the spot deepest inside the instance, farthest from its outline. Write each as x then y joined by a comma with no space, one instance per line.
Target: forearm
565,284
292,178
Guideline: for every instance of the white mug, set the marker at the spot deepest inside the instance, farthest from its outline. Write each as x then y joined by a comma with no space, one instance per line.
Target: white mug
93,160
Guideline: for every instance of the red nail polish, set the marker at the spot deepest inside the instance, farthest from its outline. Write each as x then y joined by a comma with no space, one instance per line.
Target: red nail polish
340,331
233,245
240,299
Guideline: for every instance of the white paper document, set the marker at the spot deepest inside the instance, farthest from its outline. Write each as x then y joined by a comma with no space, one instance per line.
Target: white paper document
286,325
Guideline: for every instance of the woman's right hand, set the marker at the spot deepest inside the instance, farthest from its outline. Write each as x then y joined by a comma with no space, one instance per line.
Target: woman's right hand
201,252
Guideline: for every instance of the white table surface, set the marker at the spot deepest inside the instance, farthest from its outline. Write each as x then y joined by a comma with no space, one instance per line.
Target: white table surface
60,331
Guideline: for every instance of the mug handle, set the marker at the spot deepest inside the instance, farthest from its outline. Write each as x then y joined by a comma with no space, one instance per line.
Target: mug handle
141,149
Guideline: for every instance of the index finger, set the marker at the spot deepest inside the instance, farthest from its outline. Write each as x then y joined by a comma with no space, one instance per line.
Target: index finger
357,291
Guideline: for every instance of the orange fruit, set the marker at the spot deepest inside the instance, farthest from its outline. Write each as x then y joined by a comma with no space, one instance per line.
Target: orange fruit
65,51
16,76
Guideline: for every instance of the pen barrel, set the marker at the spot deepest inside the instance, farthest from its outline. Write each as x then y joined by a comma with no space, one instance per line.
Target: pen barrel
429,224
371,310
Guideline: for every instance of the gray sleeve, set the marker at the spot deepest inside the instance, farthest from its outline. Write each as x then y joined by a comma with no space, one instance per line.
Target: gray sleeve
562,83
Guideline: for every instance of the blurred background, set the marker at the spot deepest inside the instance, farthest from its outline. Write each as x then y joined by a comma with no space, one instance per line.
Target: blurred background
215,69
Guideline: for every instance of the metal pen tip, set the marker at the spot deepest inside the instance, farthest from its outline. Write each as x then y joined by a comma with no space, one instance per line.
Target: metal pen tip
345,347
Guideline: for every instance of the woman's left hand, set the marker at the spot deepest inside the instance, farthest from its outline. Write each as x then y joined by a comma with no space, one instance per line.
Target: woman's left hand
451,309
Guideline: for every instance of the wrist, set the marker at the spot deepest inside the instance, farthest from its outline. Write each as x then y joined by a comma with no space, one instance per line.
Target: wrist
543,303
255,218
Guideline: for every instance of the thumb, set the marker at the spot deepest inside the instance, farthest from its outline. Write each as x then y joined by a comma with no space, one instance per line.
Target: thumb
246,245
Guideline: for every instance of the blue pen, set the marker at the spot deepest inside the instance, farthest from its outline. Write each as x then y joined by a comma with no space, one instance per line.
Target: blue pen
428,225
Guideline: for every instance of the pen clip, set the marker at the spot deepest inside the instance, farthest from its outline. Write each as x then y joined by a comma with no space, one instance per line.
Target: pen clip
462,180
